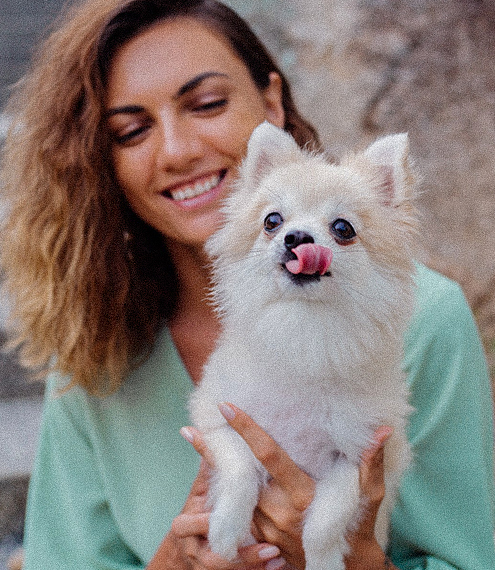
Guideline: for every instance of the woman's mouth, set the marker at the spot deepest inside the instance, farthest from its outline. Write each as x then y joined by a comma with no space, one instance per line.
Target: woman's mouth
197,189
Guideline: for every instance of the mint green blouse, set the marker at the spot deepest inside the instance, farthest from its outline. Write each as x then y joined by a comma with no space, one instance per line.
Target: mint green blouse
112,473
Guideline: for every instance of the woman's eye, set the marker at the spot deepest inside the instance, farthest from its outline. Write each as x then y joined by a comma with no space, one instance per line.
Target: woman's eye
343,230
214,105
273,221
130,136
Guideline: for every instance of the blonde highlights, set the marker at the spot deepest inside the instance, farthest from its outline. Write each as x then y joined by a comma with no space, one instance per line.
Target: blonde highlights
66,261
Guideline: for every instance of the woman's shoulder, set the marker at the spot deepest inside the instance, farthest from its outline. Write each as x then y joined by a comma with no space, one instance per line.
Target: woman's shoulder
441,307
444,356
433,288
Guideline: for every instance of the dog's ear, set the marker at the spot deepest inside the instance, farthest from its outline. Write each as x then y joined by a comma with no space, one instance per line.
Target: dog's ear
391,155
269,146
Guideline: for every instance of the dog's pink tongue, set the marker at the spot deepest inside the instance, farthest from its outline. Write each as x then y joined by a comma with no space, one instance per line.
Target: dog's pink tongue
311,259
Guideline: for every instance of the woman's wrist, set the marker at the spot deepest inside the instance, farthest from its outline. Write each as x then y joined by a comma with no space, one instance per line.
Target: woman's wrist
168,555
370,558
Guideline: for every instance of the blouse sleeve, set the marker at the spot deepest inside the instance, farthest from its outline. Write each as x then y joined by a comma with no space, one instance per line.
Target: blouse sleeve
69,523
444,518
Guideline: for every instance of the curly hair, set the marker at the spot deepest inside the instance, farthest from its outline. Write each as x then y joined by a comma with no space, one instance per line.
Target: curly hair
91,283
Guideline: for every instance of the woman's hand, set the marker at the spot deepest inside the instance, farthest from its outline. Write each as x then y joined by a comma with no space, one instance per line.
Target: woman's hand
185,547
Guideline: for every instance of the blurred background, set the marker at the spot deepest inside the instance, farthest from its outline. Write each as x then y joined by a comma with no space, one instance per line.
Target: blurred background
359,69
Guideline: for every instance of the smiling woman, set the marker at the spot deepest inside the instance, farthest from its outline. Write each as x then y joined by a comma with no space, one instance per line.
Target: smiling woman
180,125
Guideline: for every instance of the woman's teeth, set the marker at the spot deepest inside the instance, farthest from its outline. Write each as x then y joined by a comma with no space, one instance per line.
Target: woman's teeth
196,189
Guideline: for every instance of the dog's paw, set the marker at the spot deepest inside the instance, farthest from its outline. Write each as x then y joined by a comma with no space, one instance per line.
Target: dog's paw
331,560
324,552
226,534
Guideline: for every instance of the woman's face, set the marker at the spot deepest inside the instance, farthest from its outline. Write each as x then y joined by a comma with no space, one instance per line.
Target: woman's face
181,107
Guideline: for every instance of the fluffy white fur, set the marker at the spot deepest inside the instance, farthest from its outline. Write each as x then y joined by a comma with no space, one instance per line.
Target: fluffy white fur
316,362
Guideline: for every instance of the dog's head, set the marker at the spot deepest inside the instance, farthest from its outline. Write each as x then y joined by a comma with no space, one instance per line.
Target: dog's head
297,226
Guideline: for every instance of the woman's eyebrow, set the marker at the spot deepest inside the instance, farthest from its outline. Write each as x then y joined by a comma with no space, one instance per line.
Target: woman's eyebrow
189,86
195,81
127,110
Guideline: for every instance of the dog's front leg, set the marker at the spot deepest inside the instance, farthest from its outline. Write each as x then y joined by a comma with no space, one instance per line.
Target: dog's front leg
233,493
333,510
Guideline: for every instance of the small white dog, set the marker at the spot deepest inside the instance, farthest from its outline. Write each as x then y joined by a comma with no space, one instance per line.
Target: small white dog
313,275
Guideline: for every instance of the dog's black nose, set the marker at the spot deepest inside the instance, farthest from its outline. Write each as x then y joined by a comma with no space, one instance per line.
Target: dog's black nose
295,238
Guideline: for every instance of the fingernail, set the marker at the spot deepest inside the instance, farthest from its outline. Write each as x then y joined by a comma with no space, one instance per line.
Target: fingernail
227,411
275,564
268,552
187,434
386,433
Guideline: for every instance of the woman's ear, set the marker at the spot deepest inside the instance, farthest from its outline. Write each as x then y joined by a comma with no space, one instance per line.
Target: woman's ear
274,108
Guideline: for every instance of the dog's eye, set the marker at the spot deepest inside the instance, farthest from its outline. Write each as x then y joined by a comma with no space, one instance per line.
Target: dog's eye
343,231
273,221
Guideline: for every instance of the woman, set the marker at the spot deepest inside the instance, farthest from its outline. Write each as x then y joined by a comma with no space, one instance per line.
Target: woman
127,135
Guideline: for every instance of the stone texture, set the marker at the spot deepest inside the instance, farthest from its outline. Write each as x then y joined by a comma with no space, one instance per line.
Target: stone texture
23,23
20,421
12,507
15,382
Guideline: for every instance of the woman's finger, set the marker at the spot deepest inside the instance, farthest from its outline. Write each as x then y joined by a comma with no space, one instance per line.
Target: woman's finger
196,501
255,557
190,525
380,437
371,469
290,543
199,488
259,554
195,438
275,460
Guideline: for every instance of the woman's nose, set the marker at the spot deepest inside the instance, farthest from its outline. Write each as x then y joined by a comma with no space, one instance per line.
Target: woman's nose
179,146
